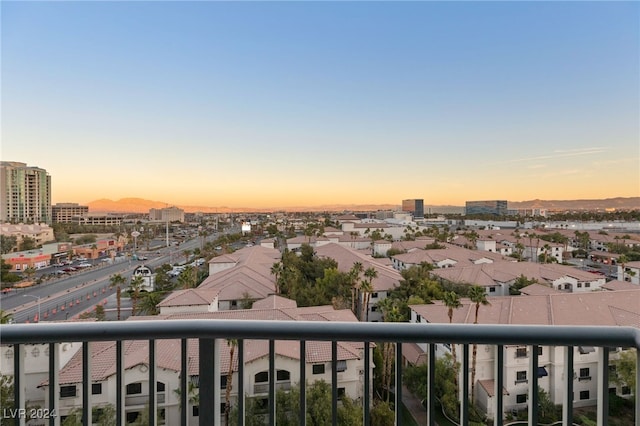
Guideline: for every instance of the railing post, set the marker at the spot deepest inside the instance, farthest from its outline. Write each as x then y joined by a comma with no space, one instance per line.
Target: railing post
499,384
153,406
302,384
567,403
431,386
464,394
119,383
86,384
603,386
533,385
334,383
207,410
272,382
240,397
366,393
18,382
398,383
637,397
54,367
184,386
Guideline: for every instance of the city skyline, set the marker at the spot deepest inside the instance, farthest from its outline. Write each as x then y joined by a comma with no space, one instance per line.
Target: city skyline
279,104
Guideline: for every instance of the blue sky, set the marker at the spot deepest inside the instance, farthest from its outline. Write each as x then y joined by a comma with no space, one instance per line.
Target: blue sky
275,104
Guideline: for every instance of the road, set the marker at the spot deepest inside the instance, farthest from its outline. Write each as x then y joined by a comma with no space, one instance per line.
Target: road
65,297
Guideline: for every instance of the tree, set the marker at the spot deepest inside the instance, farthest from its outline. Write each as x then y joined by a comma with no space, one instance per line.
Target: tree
117,281
276,271
366,287
187,254
233,343
187,278
452,301
382,414
27,243
8,243
479,297
6,391
625,373
5,317
149,303
354,275
134,292
622,260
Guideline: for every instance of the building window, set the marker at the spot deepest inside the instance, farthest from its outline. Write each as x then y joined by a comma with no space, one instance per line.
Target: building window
374,295
584,374
579,285
626,390
283,376
96,388
341,366
341,392
195,410
262,377
587,285
521,352
67,391
132,416
492,289
223,382
521,398
318,368
521,376
584,395
160,387
134,388
539,350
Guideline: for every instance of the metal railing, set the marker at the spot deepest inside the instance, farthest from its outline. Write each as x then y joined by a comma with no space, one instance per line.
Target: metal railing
210,334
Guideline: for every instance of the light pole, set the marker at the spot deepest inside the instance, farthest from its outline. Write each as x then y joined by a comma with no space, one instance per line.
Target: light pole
37,297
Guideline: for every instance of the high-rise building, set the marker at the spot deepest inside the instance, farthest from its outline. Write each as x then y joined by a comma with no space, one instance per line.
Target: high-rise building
494,207
416,207
69,212
169,214
25,192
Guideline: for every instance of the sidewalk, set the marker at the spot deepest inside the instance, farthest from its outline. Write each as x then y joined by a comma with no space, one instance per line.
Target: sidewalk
413,404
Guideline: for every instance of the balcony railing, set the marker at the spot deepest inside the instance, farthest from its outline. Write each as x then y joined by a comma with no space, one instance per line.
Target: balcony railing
213,333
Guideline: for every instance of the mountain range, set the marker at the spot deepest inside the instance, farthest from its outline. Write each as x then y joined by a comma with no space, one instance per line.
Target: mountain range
140,205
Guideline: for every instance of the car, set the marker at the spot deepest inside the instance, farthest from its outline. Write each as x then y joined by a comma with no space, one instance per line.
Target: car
142,258
84,265
69,269
59,272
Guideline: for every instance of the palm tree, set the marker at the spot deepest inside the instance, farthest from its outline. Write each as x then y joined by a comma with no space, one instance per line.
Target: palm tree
452,301
366,288
233,343
276,270
186,253
149,303
622,260
354,275
117,281
30,272
479,297
136,285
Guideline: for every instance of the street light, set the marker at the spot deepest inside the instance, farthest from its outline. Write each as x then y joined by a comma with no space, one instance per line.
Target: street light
37,297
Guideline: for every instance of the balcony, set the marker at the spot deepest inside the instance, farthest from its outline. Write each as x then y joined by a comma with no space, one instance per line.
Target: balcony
212,334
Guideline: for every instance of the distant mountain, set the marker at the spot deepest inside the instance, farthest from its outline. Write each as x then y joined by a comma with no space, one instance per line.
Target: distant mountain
618,203
140,205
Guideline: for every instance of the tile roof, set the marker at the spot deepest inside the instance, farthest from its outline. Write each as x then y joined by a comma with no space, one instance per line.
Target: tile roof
190,297
611,308
387,279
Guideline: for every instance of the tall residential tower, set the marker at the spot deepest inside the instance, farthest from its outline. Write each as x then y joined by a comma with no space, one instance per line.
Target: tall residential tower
25,192
415,206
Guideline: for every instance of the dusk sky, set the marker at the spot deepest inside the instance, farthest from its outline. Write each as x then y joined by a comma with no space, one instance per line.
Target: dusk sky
276,104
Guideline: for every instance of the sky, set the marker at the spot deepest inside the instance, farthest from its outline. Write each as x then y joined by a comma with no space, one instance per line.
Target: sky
275,104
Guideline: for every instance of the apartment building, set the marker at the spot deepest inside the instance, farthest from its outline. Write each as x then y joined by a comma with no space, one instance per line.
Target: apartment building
169,214
25,192
68,212
610,308
168,363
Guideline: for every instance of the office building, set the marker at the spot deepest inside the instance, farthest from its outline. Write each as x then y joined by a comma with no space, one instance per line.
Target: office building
415,207
494,207
26,193
68,212
169,214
